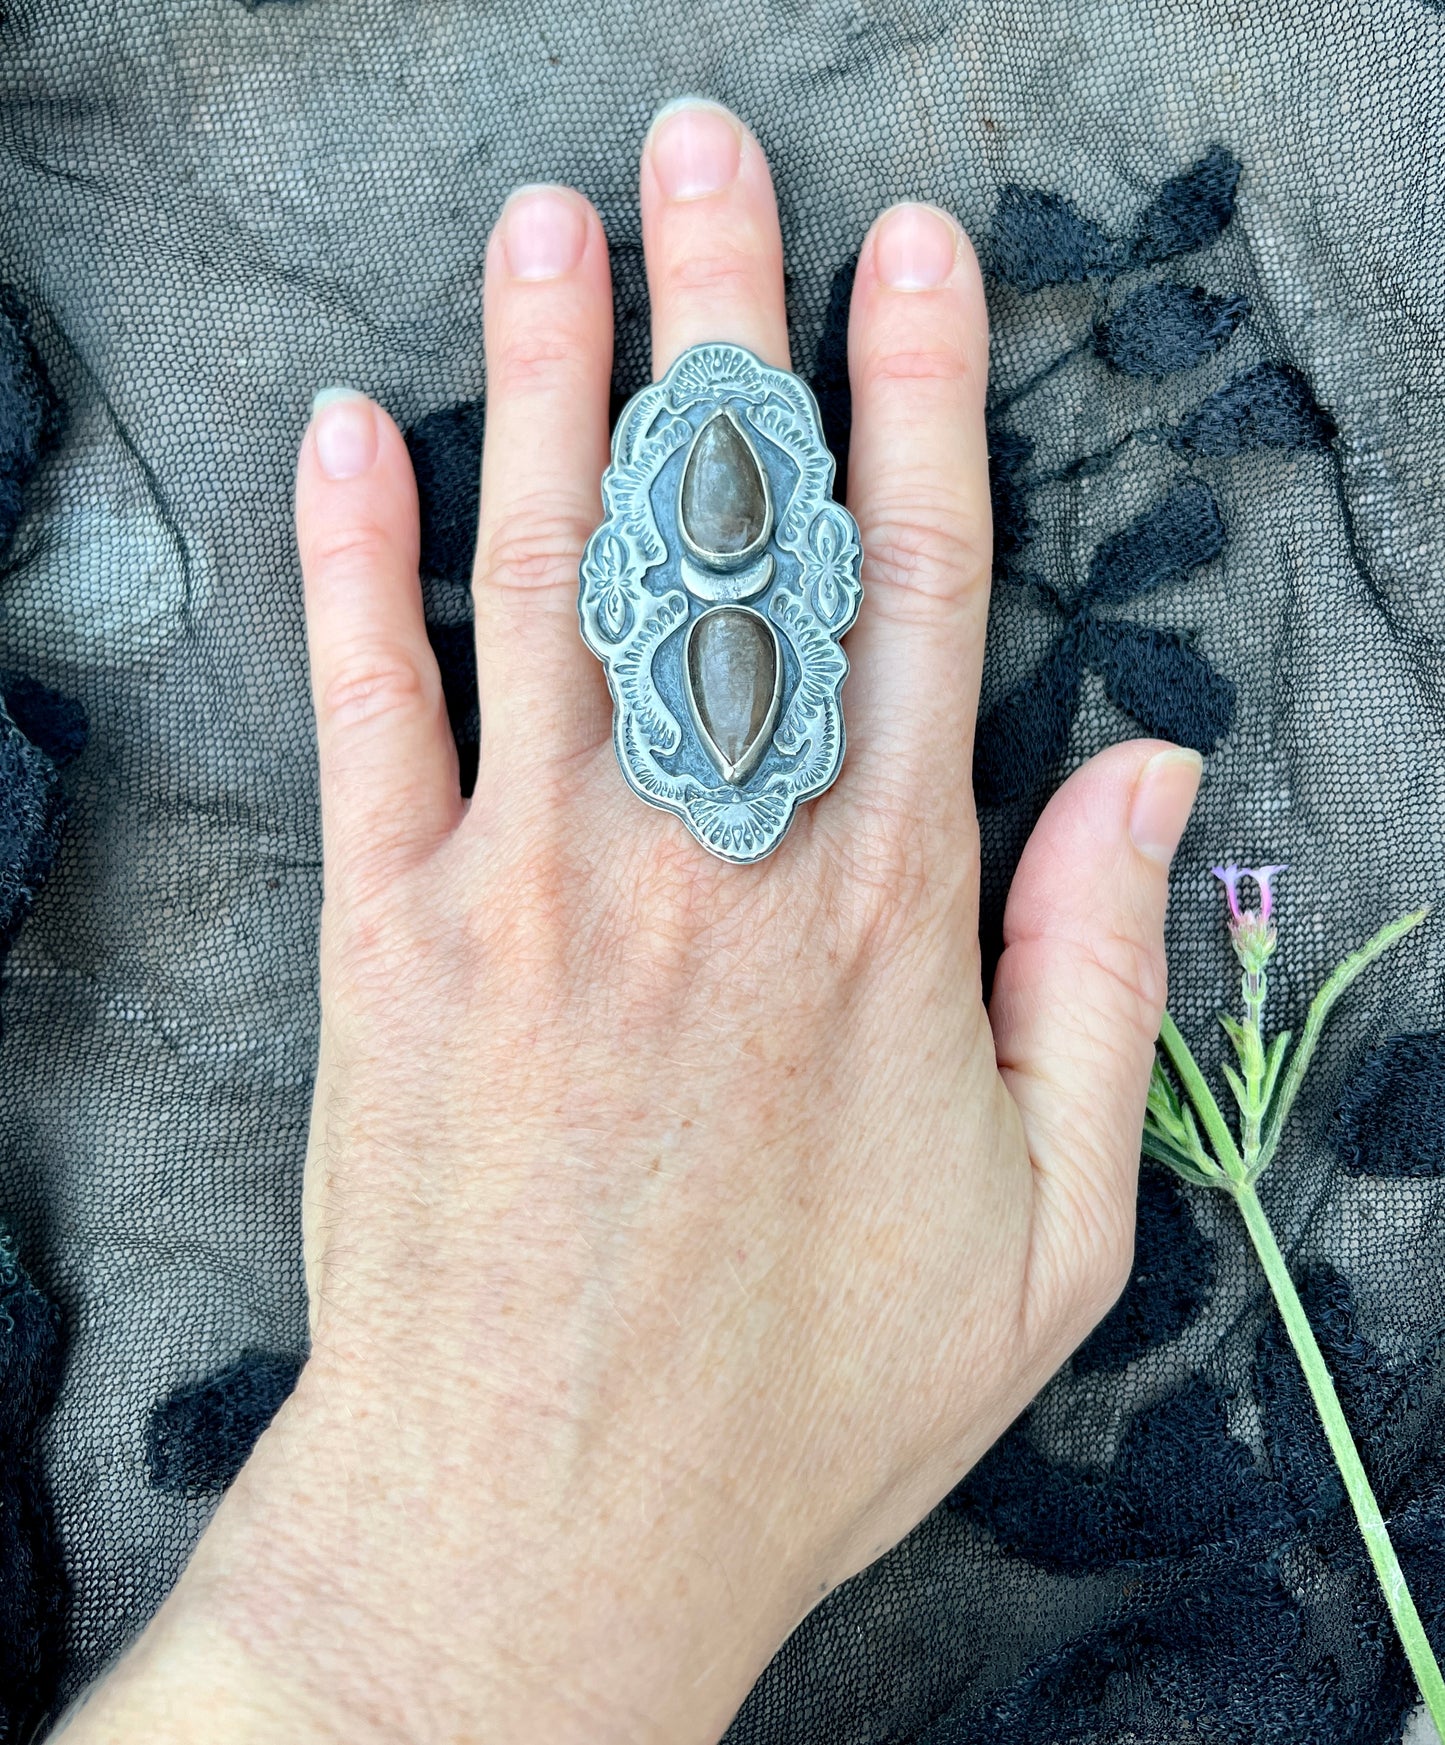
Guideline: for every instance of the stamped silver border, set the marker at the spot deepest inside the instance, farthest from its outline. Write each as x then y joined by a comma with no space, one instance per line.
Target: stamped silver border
633,597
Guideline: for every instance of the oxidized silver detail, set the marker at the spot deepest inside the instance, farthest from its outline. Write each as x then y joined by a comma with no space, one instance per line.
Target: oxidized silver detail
645,584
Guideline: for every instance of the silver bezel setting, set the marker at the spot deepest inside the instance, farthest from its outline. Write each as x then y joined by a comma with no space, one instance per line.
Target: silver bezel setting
734,774
726,560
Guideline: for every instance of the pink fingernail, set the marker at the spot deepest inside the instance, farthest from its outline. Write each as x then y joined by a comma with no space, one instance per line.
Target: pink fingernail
544,231
915,247
345,430
1163,799
696,148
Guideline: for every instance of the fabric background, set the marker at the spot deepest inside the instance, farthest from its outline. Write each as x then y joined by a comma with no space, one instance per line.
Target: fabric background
1215,245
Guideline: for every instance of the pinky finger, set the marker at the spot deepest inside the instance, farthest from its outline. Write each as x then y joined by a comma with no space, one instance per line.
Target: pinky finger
389,787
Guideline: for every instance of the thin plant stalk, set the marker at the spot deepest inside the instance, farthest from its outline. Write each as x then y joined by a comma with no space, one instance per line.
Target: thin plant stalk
1265,1091
1347,1457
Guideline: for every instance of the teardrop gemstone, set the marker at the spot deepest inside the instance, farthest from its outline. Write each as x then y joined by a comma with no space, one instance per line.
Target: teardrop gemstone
724,500
732,679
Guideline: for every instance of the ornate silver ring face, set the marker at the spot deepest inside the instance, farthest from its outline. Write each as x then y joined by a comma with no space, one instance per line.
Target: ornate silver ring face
714,593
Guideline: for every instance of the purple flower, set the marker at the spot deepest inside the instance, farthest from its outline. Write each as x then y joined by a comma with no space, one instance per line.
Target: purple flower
1262,876
1250,929
1231,876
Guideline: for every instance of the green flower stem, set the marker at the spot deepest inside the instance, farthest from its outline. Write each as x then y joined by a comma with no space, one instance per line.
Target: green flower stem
1252,1114
1327,1403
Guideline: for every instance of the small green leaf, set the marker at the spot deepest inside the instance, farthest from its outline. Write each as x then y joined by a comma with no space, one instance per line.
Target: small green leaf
1162,1091
1320,1008
1273,1062
1155,1146
1163,1105
1237,1085
1221,1140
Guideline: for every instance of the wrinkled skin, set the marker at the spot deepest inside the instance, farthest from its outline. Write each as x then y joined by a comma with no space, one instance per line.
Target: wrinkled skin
678,1233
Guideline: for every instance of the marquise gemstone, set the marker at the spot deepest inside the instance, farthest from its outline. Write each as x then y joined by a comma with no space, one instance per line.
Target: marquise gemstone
724,503
732,672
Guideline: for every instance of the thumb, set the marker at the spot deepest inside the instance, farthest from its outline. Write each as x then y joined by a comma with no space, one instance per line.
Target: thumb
1077,999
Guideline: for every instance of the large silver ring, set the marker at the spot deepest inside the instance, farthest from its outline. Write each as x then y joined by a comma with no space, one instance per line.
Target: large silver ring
714,593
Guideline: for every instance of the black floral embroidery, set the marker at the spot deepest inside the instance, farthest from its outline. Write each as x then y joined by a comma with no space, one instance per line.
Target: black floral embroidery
1203,1531
198,1438
1392,1115
1171,1281
1157,329
1167,686
40,730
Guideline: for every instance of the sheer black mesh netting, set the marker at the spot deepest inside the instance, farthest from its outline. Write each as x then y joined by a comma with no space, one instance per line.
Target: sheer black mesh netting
1214,240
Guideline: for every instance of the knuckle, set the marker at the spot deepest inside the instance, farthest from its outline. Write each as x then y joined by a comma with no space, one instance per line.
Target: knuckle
374,682
531,358
710,273
925,549
534,544
345,548
889,365
1133,979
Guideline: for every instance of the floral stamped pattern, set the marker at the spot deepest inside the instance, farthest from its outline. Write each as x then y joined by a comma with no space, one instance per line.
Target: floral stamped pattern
635,606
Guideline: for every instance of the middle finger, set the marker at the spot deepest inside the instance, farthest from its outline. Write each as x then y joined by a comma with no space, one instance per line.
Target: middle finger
710,234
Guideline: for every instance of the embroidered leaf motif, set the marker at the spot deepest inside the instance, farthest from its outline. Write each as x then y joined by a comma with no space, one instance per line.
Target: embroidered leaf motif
1009,453
198,1438
831,386
1392,1114
1040,239
1189,211
1027,729
1162,545
1167,686
1171,1282
1270,407
1159,329
1180,1448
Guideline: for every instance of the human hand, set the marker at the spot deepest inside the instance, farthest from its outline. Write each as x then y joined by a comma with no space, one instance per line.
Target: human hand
678,1233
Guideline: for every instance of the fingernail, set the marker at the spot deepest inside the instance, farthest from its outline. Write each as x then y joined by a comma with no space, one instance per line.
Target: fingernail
544,231
345,428
915,247
696,147
1163,799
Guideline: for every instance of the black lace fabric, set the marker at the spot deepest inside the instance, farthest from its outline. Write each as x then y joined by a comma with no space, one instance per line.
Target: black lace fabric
1212,238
